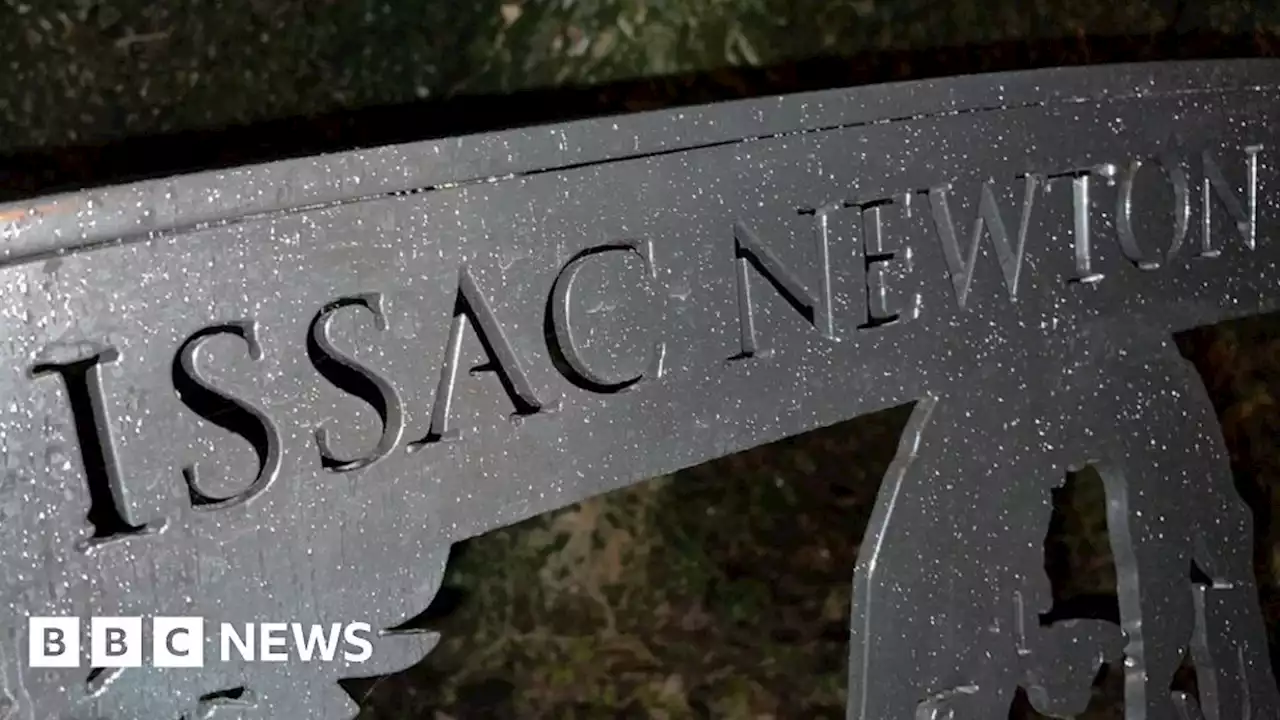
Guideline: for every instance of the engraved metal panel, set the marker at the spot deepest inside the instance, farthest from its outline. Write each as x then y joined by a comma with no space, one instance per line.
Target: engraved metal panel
284,391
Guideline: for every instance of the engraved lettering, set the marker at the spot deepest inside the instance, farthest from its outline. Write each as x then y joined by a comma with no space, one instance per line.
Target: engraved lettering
885,263
471,306
1129,245
959,610
350,376
748,250
227,412
1216,186
83,382
565,351
989,217
1081,198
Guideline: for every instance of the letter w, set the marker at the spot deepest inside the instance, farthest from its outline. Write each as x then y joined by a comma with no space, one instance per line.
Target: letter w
307,647
1010,258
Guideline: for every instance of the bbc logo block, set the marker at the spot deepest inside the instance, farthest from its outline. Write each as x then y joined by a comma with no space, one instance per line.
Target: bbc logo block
53,642
179,642
115,642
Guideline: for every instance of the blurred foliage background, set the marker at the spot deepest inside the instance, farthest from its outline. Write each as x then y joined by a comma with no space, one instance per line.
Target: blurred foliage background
722,591
98,91
89,71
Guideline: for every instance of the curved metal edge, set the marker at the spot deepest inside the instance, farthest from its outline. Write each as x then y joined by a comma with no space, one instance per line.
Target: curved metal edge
62,223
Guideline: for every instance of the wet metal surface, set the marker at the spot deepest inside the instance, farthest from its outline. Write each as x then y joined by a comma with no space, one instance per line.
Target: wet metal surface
280,393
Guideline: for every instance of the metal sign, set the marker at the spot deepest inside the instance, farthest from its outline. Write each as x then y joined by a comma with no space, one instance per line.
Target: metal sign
280,393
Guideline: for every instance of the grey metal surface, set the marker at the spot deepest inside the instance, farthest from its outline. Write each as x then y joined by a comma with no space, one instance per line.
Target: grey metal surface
282,392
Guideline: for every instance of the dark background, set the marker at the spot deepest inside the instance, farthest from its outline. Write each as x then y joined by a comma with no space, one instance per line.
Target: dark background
722,591
192,84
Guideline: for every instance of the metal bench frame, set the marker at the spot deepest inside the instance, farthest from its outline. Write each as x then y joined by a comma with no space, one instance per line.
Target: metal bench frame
280,393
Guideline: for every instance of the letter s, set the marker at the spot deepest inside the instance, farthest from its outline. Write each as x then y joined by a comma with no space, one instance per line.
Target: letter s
350,635
352,377
228,412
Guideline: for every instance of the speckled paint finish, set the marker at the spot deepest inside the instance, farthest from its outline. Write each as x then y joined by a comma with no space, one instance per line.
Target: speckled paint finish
744,272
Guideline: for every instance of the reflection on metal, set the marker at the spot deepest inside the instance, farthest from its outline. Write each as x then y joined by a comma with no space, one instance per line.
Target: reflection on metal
243,395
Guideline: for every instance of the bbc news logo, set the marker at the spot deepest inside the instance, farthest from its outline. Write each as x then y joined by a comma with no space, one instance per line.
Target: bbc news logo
179,642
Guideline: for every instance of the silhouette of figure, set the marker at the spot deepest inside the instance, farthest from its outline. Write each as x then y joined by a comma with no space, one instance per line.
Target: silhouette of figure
950,584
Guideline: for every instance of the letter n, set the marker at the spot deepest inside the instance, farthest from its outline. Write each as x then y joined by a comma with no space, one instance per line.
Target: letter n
816,308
